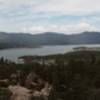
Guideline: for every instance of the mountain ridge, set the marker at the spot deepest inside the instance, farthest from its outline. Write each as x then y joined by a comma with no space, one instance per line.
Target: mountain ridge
16,40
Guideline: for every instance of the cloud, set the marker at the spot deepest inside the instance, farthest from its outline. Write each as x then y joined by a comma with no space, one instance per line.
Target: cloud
68,7
68,16
67,28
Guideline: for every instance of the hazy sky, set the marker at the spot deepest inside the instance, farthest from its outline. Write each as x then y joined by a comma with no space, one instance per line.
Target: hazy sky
35,16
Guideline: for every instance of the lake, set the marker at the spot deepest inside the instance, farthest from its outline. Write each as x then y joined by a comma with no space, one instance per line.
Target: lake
13,54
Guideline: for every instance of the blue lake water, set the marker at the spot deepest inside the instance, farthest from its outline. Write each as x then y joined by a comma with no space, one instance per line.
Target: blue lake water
13,54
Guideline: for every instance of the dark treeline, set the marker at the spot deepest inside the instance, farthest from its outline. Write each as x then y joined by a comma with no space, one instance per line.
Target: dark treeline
73,76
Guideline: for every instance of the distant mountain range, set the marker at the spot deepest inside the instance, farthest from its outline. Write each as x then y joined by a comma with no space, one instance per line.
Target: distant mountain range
17,40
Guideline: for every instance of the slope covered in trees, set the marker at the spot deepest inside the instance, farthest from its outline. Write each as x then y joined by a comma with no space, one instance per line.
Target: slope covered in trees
16,40
73,76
